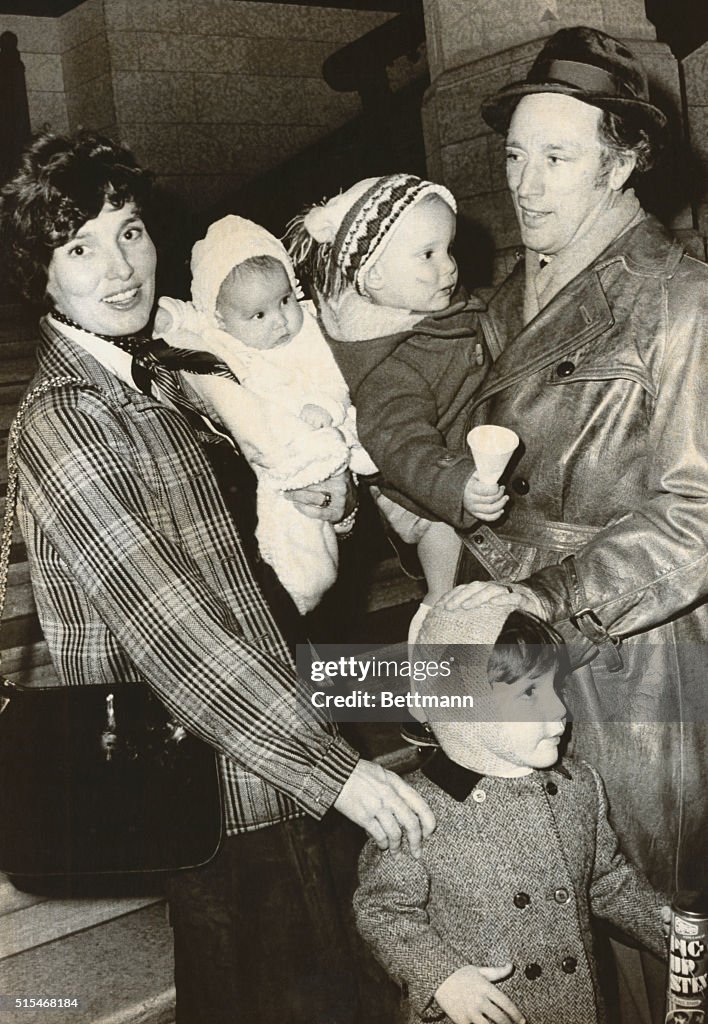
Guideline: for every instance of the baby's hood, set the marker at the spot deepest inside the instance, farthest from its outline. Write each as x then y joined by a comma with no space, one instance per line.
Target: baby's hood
228,242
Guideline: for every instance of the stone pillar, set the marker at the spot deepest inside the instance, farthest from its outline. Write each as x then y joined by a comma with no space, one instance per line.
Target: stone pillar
477,46
695,73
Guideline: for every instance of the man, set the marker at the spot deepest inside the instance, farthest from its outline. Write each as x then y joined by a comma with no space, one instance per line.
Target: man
602,374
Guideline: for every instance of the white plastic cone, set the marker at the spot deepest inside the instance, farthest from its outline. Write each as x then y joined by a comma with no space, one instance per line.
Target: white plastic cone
492,447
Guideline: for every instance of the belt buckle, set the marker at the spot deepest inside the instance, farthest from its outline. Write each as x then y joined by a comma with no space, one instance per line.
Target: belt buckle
587,623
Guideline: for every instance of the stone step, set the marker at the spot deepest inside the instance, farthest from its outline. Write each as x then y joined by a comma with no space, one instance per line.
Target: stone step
120,971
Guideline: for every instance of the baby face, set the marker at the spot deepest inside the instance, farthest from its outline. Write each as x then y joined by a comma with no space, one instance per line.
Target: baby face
416,270
259,307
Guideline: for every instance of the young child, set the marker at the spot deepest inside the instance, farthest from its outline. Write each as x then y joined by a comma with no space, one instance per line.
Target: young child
412,351
494,921
288,408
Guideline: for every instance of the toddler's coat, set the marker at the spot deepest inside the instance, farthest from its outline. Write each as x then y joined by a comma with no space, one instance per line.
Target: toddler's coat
513,873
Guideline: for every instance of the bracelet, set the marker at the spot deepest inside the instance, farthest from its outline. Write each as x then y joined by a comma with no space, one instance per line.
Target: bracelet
344,527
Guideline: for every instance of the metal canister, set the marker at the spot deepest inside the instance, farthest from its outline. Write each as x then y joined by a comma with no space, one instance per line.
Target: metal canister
687,989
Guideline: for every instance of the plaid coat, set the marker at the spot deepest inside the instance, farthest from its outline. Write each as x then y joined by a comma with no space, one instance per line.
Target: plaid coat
139,574
513,873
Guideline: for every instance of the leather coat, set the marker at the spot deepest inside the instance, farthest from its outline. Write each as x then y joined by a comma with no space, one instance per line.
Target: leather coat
608,390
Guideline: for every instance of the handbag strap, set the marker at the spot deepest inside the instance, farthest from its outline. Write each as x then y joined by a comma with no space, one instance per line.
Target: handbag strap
13,443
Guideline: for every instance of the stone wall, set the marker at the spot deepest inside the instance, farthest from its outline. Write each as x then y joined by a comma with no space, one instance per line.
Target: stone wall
39,45
209,93
214,92
87,65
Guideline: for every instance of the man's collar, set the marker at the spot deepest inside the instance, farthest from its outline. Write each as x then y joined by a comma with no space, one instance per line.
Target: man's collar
458,781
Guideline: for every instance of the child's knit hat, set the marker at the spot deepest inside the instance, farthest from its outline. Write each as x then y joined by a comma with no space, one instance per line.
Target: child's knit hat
478,630
467,638
228,242
337,241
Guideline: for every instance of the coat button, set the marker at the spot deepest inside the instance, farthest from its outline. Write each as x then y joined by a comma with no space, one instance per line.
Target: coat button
551,788
520,485
561,895
479,796
569,964
533,971
522,900
565,369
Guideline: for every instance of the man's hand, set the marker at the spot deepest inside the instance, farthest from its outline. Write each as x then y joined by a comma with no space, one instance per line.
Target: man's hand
469,996
331,500
386,806
472,595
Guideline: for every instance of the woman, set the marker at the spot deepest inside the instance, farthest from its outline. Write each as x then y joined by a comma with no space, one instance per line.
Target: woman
139,574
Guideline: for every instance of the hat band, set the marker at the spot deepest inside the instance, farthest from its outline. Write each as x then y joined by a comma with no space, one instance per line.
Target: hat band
587,77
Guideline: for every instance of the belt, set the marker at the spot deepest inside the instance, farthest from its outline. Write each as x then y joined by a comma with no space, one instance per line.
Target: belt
494,549
547,534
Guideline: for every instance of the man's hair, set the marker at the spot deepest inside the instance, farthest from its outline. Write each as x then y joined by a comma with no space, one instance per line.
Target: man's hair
62,183
526,646
622,136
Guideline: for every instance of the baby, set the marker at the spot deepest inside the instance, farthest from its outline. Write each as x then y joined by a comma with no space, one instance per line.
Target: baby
412,351
494,921
288,407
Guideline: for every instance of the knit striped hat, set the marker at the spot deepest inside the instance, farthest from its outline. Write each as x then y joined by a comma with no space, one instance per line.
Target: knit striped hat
335,243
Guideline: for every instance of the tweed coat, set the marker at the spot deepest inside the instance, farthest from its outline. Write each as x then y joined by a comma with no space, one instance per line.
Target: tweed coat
512,873
139,574
608,522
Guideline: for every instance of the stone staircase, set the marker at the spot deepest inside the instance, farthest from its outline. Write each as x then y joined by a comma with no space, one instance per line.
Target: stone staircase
114,955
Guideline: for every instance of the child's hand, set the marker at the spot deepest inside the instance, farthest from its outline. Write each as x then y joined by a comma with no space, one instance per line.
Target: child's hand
484,501
316,416
469,996
666,921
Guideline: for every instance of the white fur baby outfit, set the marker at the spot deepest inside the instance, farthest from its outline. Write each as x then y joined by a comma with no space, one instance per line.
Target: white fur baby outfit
262,411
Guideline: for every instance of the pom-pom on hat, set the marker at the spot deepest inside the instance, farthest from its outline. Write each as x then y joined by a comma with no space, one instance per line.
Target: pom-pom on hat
590,66
229,242
339,240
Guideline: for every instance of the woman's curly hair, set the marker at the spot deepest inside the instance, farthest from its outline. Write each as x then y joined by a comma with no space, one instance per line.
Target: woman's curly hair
62,182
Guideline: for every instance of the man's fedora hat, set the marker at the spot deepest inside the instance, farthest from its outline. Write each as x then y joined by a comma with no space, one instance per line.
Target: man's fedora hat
590,66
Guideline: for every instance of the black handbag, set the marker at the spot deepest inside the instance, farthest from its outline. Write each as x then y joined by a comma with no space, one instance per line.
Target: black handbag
96,782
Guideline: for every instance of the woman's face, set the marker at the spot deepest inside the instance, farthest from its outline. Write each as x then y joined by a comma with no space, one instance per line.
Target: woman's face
104,278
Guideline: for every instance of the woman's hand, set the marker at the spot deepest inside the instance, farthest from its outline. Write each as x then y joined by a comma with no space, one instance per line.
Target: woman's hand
331,500
386,806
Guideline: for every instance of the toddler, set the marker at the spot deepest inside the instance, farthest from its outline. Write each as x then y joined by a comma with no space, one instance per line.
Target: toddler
494,921
412,351
288,407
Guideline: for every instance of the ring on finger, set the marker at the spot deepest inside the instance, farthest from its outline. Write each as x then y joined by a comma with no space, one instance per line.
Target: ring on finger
326,500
